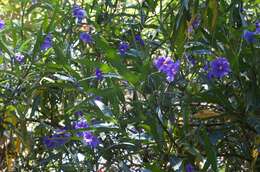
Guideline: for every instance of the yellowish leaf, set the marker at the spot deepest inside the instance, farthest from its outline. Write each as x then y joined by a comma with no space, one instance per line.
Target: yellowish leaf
254,153
17,145
206,113
10,118
9,161
257,139
213,5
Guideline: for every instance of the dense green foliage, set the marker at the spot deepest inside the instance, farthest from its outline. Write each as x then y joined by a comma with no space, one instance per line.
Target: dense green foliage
142,121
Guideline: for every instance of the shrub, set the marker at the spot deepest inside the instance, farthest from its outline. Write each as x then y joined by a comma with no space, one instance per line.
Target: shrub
150,85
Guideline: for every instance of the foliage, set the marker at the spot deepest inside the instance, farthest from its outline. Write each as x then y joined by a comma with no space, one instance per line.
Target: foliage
95,64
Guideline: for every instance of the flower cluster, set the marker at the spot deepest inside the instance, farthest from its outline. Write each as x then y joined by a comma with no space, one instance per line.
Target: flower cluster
218,68
87,137
249,36
2,24
81,124
47,43
123,47
78,12
58,139
90,140
167,66
61,137
86,37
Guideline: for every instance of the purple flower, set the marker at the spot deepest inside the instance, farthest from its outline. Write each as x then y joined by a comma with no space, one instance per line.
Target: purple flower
81,124
79,113
123,47
99,74
34,2
210,75
195,22
190,29
206,67
78,12
164,64
47,43
90,140
189,168
159,63
19,57
85,37
58,139
219,67
257,26
2,24
87,137
167,66
249,36
173,70
75,8
139,39
99,98
190,59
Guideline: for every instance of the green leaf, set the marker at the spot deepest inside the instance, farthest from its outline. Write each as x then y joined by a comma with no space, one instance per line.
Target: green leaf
210,151
46,6
153,168
60,56
105,110
185,3
36,102
213,6
5,48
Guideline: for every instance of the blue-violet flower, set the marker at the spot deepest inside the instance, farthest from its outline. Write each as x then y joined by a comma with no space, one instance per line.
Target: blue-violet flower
47,43
78,12
249,36
90,140
139,39
99,74
189,168
58,139
79,113
81,124
123,47
19,57
86,37
2,24
257,27
167,66
219,67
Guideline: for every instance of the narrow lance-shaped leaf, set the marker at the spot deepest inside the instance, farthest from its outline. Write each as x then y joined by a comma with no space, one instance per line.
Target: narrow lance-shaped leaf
210,151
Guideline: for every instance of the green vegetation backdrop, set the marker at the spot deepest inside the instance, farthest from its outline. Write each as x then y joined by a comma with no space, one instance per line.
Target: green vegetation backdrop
130,85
